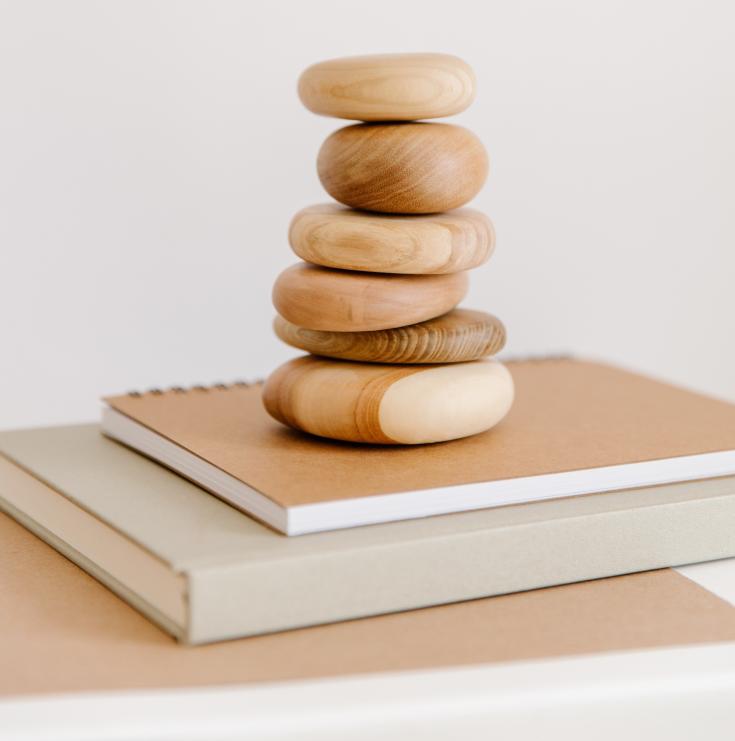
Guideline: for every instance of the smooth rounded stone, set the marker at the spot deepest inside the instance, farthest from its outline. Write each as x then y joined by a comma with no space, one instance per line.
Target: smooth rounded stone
340,237
345,301
405,168
389,404
459,336
388,87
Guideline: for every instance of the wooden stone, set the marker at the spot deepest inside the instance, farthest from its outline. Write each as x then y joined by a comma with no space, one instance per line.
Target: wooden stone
345,301
409,168
340,237
388,87
458,336
389,404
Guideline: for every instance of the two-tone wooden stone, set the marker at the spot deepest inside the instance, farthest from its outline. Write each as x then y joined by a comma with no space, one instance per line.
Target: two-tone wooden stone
388,87
339,237
459,336
409,168
389,404
320,298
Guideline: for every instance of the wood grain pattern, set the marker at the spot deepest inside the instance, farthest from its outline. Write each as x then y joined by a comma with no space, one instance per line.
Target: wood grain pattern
388,87
458,336
388,404
345,301
340,237
409,168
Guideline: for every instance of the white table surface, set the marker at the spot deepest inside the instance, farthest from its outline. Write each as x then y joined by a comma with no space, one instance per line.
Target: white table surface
682,693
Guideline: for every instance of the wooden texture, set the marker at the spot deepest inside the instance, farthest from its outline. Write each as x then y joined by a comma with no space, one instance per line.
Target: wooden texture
344,301
410,168
388,404
339,237
388,87
458,336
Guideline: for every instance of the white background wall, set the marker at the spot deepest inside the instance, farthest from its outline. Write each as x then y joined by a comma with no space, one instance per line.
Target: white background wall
152,154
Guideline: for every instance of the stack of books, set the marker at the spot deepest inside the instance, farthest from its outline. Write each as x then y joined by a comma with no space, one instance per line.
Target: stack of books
594,472
216,521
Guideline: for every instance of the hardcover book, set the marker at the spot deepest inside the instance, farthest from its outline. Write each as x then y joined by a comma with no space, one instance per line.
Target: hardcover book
62,632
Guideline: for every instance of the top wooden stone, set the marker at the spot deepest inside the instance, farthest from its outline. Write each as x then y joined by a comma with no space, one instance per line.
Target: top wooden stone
388,87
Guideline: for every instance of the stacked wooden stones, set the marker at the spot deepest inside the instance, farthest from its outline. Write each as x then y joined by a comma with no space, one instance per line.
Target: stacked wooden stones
393,360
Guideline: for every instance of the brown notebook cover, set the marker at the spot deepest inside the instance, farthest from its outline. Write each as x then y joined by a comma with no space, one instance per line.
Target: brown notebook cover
61,631
571,421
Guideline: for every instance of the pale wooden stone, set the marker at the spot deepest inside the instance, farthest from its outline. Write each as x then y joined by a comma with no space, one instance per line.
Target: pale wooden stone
389,404
388,87
340,237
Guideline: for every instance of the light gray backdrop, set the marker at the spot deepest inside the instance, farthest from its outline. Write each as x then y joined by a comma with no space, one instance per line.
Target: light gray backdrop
152,154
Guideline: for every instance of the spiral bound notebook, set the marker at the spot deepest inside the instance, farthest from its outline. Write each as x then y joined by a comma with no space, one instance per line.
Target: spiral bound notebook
576,427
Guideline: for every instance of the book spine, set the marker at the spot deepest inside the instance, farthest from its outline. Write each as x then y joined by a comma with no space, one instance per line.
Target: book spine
279,595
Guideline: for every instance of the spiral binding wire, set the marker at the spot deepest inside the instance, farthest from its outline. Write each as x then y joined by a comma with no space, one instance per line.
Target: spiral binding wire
219,386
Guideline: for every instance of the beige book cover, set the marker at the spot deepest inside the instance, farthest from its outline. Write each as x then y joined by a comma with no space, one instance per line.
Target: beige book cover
60,631
576,427
206,572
